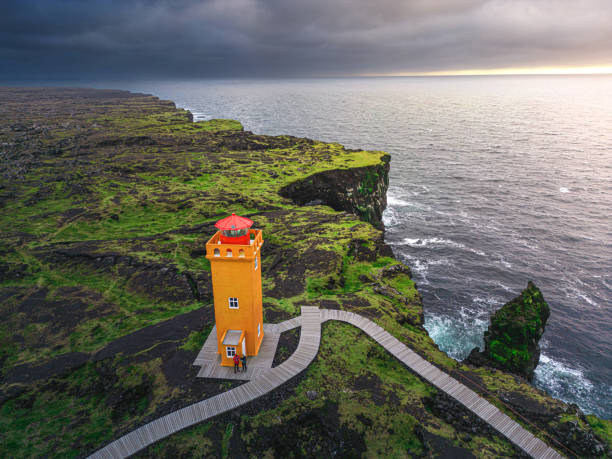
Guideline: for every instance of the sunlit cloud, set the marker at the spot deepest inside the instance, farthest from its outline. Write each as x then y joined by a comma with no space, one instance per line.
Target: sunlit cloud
585,70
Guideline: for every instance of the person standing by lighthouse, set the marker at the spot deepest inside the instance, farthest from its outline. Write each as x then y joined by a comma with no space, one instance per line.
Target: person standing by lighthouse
234,253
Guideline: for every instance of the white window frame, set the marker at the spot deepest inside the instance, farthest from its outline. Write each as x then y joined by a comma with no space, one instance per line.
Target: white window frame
233,302
259,329
230,351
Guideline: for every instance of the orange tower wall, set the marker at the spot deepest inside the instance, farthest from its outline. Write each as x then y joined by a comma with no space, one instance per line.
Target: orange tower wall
237,276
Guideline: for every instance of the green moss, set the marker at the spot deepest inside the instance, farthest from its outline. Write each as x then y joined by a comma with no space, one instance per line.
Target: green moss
391,432
602,428
192,441
133,311
216,125
290,305
227,436
382,262
369,183
515,328
43,424
196,340
405,285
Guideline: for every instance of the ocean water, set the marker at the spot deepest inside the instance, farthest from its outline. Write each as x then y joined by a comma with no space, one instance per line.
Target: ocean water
494,181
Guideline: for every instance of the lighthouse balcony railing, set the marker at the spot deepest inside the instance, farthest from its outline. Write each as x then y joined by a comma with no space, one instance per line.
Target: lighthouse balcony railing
215,248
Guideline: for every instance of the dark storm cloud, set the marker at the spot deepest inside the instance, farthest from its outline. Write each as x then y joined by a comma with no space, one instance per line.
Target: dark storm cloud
186,38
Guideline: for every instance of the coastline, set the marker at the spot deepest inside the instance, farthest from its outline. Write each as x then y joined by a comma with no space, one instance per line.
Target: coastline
329,257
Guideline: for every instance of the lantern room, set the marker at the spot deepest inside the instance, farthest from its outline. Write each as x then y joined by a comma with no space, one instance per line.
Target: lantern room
235,262
234,230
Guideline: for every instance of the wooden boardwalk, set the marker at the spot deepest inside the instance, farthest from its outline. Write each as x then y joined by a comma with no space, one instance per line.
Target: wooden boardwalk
171,423
513,431
307,349
209,360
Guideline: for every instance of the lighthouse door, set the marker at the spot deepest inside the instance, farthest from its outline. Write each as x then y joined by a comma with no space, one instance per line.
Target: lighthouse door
244,346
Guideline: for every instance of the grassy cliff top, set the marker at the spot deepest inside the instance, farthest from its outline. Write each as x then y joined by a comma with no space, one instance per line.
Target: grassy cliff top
106,201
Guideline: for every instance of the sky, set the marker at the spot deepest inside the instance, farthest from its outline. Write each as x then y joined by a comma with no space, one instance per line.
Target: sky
153,39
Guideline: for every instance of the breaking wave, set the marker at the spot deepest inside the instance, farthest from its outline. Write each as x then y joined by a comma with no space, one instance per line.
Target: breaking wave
417,242
457,336
570,384
393,201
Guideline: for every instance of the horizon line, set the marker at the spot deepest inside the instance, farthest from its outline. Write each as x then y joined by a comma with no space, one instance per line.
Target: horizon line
584,70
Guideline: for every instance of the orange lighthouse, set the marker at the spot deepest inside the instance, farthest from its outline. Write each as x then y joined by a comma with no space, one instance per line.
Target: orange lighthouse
234,254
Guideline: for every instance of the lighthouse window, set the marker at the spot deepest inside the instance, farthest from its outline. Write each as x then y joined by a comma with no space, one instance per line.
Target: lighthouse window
233,303
235,233
230,351
217,253
255,263
259,329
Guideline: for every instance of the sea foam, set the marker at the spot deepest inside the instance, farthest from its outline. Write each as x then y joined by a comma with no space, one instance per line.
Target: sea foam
423,242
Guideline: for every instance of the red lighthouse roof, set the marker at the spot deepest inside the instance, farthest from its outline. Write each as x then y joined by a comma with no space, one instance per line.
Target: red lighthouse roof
234,222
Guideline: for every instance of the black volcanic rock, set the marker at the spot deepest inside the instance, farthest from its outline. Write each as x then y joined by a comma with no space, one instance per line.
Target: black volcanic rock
363,191
511,341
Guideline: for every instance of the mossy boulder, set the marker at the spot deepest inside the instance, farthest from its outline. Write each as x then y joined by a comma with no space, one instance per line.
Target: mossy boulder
511,341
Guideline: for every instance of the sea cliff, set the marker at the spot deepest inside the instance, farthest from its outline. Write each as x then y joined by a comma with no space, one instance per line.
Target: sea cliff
361,191
106,201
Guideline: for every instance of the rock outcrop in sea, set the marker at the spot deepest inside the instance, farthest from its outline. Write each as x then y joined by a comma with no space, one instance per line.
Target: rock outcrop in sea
511,342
